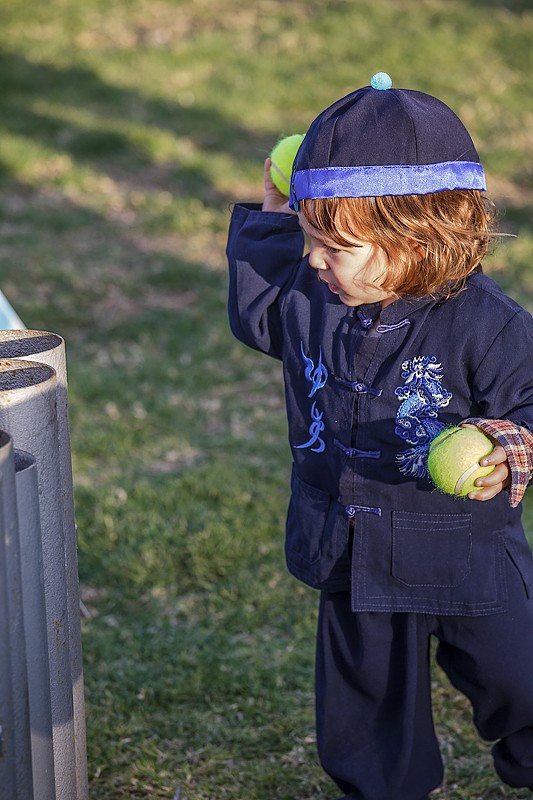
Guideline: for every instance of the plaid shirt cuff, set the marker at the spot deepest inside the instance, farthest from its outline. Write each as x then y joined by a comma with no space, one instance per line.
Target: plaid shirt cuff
517,442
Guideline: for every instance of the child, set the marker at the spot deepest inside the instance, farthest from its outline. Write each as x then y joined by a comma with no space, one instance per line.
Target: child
401,335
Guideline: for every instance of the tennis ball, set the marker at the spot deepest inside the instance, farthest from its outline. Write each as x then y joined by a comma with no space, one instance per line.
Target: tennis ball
282,157
454,457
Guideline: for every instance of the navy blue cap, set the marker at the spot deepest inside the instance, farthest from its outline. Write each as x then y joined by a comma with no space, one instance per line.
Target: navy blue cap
380,141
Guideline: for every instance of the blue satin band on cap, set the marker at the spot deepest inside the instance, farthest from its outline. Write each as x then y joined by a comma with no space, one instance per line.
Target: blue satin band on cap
386,180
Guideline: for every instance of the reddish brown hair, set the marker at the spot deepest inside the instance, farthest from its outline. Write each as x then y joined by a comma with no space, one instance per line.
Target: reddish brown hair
432,242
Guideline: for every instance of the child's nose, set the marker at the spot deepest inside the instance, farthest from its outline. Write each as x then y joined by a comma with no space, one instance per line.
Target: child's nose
316,258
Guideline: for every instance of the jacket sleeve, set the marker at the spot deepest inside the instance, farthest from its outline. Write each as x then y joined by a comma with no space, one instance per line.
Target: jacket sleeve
503,387
264,254
503,381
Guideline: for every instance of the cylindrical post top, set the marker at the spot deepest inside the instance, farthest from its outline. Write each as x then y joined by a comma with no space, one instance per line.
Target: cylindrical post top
21,374
18,344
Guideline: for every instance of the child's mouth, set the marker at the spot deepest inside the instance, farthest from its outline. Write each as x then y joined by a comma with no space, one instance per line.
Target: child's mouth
331,286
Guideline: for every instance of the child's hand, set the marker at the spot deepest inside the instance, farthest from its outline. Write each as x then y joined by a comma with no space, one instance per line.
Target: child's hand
274,199
499,478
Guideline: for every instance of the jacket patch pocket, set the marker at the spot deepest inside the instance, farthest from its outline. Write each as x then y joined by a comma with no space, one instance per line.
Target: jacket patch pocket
431,549
316,544
307,515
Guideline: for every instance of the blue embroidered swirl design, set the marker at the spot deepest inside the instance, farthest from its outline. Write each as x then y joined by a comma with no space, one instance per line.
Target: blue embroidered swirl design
315,429
417,422
317,377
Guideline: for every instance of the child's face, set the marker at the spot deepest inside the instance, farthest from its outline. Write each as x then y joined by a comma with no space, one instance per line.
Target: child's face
354,273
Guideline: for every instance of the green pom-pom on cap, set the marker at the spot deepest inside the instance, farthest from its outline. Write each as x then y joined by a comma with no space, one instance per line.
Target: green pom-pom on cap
282,157
453,461
381,81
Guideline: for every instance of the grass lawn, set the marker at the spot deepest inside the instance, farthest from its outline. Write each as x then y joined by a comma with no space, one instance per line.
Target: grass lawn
127,130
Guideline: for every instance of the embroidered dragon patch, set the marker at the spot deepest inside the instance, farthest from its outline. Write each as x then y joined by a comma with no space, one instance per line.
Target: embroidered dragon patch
417,423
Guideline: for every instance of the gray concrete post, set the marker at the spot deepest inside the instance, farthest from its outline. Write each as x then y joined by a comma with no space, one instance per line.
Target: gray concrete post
33,603
28,412
49,348
7,749
15,749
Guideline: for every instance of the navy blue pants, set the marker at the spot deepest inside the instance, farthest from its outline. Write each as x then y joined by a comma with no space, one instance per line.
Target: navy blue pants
375,729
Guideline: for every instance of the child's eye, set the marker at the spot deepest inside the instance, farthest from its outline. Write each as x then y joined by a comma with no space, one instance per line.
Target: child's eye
332,250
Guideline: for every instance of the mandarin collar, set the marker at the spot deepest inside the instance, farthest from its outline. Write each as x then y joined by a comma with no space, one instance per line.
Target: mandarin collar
397,311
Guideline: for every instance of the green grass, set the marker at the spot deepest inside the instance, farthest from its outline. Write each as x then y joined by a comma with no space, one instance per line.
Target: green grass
127,131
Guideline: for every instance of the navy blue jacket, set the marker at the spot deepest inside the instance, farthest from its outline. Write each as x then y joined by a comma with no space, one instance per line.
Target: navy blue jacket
363,403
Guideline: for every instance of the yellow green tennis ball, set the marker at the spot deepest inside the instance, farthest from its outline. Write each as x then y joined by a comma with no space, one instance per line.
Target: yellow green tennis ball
282,157
454,457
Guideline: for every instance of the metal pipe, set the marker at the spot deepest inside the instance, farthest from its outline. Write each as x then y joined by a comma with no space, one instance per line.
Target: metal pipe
15,748
49,348
33,602
28,412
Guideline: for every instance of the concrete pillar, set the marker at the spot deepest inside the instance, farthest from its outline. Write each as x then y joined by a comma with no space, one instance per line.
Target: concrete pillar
35,631
28,412
49,348
15,749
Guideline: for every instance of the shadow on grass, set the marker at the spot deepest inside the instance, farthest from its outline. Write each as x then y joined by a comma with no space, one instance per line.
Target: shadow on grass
80,233
80,89
92,278
515,6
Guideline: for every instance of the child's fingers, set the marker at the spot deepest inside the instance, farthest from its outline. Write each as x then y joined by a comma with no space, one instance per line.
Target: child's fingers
498,456
487,493
274,200
490,485
269,184
500,474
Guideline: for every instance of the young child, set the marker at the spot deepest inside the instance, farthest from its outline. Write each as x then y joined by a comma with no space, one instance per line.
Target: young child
401,335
